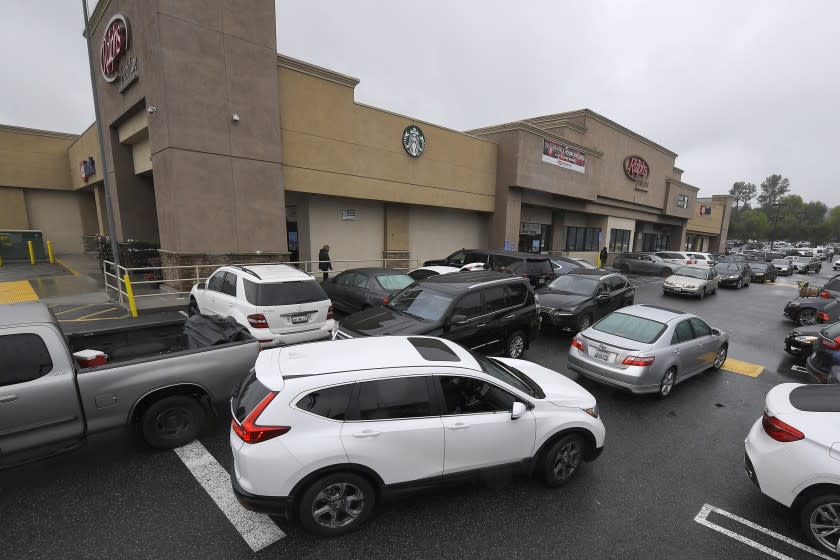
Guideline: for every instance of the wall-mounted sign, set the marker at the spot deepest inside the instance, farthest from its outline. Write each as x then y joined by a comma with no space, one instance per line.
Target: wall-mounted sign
637,170
348,215
705,210
563,156
682,200
414,141
115,61
529,228
87,168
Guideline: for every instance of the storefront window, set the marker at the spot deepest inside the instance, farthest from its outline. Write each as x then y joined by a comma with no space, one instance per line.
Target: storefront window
534,238
582,238
619,240
652,242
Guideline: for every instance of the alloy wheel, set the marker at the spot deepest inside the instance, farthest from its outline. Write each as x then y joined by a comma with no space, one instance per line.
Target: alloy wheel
825,525
667,383
516,345
807,317
740,284
720,357
567,460
338,505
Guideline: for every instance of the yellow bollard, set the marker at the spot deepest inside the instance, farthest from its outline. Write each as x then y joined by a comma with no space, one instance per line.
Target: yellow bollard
1,261
130,293
31,252
50,252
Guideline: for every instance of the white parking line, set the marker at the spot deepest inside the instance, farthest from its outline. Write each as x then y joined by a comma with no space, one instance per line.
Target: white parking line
704,512
257,529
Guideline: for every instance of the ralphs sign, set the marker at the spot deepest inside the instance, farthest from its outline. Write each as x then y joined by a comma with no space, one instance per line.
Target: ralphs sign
636,170
114,59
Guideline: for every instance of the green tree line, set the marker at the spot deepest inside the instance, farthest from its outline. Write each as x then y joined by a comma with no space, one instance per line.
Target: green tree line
779,215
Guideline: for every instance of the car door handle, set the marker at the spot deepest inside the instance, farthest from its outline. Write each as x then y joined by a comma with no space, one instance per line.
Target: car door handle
676,351
481,325
8,398
366,434
458,426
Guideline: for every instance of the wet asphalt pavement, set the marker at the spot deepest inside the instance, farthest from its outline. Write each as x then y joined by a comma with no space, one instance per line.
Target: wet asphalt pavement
664,459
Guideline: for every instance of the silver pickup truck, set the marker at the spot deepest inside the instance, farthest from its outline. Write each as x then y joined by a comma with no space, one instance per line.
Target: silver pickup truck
152,379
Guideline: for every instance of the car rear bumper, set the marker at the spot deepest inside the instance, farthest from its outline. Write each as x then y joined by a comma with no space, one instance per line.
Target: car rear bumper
305,334
587,368
772,466
269,505
681,291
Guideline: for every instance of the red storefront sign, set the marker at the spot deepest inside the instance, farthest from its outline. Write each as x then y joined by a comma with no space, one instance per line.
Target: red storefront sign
115,45
636,168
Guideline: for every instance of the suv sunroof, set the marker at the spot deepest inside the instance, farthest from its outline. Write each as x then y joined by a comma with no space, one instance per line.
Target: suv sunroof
433,350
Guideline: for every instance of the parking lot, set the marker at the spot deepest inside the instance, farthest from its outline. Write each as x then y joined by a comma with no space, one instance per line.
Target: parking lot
669,484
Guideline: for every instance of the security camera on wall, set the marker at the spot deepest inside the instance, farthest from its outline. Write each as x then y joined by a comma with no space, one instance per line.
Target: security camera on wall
151,109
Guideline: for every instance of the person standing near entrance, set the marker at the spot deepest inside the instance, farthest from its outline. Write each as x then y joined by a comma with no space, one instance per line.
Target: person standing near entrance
604,255
325,265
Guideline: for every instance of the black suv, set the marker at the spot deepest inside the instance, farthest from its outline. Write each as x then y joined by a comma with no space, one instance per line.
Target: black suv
486,311
804,265
577,299
535,267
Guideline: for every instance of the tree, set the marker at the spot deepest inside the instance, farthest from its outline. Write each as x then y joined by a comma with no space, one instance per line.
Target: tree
773,188
742,193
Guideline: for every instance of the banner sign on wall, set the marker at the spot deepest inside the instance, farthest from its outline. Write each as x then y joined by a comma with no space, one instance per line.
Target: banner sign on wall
705,210
564,156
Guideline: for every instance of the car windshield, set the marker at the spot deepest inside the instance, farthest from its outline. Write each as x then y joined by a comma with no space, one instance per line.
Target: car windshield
422,303
630,327
283,293
574,284
691,272
394,282
803,259
758,266
730,268
495,369
780,262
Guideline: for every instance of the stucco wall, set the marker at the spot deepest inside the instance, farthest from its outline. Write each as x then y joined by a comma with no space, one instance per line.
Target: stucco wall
707,223
63,217
361,239
33,158
13,209
435,233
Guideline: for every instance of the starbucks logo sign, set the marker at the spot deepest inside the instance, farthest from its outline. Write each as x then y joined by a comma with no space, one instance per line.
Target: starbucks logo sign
414,141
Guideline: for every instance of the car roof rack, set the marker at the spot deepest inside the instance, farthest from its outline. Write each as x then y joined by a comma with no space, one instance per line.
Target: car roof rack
244,269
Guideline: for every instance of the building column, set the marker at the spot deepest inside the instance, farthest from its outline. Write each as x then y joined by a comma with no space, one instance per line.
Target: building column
724,227
676,241
504,225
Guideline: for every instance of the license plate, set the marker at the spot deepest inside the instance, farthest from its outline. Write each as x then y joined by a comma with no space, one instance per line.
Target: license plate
677,289
605,356
300,319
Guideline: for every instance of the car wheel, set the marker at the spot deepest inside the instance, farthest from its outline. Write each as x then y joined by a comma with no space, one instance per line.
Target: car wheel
819,268
172,422
702,293
584,322
820,521
562,460
740,284
193,308
667,383
336,504
515,345
806,317
625,269
720,357
666,272
749,281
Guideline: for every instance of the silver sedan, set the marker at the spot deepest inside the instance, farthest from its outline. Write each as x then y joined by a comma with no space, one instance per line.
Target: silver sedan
647,349
692,281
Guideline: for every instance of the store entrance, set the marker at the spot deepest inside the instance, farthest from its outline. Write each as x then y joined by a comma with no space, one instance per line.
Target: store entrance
534,238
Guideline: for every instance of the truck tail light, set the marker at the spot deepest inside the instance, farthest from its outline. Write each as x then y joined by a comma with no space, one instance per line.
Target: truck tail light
822,316
250,432
638,360
578,343
780,431
825,294
330,313
258,321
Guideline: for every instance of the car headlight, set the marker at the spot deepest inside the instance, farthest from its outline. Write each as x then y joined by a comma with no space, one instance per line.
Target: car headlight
563,311
793,304
593,412
805,339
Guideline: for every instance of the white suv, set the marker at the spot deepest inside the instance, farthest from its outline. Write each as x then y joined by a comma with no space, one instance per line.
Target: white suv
321,431
793,456
681,257
277,303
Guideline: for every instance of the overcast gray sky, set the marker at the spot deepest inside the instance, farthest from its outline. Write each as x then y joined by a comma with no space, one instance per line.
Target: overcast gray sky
740,89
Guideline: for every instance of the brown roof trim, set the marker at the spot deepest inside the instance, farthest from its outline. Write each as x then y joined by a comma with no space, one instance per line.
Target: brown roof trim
684,185
537,131
37,132
324,73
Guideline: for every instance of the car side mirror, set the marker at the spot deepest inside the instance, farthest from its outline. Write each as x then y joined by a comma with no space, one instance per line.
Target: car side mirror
517,410
457,319
716,332
201,285
602,297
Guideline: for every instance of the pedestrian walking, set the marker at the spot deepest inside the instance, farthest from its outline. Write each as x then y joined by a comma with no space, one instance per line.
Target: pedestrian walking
604,255
325,265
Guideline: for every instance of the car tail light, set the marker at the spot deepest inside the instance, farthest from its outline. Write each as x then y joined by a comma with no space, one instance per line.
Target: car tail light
258,321
688,261
780,431
250,432
525,275
825,294
831,344
822,316
330,313
638,360
578,343
385,300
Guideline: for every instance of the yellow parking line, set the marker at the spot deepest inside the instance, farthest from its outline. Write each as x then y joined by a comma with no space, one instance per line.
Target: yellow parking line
126,316
95,313
744,368
71,269
16,292
74,309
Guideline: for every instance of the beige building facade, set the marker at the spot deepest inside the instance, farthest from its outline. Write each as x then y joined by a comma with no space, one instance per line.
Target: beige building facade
221,150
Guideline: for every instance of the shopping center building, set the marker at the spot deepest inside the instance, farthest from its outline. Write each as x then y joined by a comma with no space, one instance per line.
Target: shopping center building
221,150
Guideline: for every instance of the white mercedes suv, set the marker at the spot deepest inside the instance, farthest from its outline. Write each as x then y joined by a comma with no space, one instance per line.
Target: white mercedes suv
278,303
793,456
321,431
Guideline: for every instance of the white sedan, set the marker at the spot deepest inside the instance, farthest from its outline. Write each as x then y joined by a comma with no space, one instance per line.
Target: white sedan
793,456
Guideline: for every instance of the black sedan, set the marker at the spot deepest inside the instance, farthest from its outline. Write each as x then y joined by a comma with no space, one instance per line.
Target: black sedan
810,310
734,273
360,288
824,362
577,299
762,272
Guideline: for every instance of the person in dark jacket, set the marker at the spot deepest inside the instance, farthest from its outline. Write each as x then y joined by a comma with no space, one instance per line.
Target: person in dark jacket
604,255
325,265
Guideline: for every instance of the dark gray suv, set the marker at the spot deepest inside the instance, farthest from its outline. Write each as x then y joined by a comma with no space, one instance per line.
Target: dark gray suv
642,263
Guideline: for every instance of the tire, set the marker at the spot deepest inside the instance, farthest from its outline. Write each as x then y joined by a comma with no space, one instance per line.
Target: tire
740,284
666,386
702,293
720,357
666,272
584,322
819,268
561,462
815,512
515,345
173,421
193,308
806,317
749,281
324,508
625,269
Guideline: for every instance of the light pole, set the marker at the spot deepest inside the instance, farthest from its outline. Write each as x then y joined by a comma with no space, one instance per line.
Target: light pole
112,229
